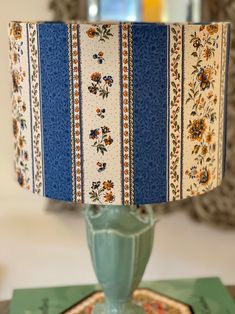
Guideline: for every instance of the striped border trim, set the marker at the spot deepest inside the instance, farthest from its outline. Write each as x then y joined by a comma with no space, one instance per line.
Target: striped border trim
35,101
222,103
131,116
41,121
228,44
125,73
182,113
30,105
175,103
121,113
80,159
168,115
75,112
71,112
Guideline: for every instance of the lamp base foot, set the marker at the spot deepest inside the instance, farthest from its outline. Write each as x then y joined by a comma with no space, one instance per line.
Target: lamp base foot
126,308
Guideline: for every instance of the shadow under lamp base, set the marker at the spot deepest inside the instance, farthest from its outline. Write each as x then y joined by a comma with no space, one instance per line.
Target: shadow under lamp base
120,239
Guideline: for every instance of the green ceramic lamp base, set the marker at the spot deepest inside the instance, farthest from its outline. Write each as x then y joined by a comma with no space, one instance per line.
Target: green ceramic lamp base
113,308
120,239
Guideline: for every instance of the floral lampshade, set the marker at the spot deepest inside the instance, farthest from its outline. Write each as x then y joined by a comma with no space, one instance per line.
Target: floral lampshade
122,113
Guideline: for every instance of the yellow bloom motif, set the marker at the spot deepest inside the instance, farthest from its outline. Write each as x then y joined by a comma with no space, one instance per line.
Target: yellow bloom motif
209,137
212,29
16,30
91,32
204,150
109,197
197,129
108,185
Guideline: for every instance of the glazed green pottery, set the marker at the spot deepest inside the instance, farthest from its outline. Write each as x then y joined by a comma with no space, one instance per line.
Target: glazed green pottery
120,241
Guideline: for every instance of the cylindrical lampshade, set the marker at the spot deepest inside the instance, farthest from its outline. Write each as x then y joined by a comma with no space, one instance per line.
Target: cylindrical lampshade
123,113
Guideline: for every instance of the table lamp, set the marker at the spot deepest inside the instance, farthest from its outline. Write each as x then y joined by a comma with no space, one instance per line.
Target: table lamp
118,117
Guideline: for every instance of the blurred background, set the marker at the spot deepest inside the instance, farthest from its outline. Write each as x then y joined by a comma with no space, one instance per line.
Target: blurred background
43,243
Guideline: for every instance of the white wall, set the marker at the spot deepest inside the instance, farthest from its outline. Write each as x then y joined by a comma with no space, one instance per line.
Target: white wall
176,10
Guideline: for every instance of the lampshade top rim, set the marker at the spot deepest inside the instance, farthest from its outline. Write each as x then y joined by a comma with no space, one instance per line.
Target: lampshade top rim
118,22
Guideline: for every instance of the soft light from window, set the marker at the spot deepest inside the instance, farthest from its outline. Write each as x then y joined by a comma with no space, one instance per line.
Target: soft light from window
93,10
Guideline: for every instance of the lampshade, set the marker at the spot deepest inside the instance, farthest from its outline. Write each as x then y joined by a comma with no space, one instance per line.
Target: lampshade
122,113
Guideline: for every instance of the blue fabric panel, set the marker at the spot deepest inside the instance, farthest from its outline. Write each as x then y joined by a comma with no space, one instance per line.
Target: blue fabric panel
150,112
55,97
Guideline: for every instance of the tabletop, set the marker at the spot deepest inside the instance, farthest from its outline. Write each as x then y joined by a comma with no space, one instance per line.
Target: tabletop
4,305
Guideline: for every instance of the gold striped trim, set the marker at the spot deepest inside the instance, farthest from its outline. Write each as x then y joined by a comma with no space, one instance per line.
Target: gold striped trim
175,108
126,113
71,110
76,100
131,115
222,104
75,112
34,64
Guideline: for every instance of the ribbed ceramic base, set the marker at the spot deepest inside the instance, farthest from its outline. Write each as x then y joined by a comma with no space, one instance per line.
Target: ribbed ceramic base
120,240
126,308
